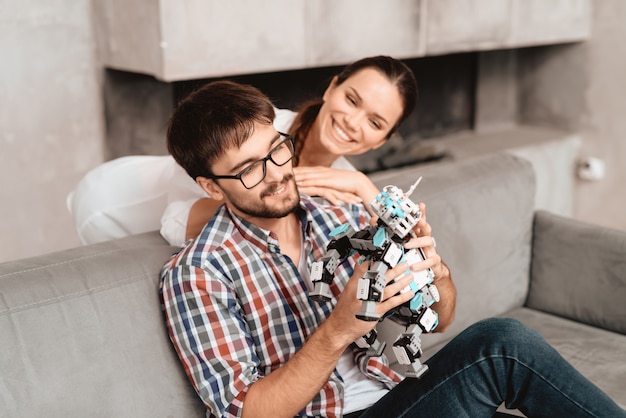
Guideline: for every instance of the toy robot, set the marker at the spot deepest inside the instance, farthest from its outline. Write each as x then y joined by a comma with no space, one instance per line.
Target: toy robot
381,246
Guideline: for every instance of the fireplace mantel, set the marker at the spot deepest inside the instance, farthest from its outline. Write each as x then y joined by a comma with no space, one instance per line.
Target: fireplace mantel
176,40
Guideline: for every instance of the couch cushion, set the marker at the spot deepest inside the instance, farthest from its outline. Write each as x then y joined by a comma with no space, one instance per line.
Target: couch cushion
83,335
481,212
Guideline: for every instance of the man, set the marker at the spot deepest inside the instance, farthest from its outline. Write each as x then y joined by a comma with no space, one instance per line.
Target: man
253,343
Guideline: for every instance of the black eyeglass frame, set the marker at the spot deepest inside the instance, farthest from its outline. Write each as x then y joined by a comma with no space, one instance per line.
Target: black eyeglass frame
286,139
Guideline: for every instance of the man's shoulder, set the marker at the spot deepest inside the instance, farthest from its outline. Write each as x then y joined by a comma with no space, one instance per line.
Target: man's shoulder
215,239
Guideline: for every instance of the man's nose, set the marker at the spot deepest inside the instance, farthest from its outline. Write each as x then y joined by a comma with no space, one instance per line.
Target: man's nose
274,173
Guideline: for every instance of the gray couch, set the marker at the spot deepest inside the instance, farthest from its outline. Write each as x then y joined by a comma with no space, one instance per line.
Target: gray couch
82,334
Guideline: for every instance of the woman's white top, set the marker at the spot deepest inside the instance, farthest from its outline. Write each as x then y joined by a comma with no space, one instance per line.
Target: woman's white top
142,193
127,196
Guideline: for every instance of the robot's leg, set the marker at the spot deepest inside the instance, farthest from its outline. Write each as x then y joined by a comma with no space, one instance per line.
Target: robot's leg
321,286
370,290
375,347
408,350
322,274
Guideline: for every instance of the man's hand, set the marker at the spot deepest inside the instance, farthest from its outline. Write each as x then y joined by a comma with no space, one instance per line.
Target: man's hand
346,326
287,390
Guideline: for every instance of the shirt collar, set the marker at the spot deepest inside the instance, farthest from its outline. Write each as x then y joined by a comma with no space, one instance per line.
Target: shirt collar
263,238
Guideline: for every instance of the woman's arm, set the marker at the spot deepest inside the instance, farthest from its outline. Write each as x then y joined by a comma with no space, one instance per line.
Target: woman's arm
200,214
184,219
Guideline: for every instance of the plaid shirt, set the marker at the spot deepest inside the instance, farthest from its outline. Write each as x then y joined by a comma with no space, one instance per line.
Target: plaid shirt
237,309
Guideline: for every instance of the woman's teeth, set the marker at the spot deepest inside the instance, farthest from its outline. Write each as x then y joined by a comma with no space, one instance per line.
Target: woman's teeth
341,133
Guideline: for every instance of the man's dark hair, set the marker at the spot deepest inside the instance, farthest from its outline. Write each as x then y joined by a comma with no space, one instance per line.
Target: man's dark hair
216,117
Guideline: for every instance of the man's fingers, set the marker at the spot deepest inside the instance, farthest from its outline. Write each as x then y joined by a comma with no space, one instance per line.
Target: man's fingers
397,285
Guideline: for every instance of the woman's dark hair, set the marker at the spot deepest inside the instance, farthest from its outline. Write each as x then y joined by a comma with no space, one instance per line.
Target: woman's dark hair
396,72
216,117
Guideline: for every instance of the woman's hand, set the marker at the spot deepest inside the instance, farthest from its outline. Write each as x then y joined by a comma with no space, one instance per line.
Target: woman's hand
333,196
335,185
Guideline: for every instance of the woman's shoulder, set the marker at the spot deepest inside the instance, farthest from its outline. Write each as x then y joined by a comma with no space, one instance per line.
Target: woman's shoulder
342,163
283,119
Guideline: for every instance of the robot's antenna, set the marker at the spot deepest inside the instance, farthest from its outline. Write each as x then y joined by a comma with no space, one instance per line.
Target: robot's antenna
407,194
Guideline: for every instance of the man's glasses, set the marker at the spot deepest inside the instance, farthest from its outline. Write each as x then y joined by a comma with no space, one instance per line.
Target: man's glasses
254,174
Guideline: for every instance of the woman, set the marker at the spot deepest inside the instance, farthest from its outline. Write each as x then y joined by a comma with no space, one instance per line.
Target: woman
362,107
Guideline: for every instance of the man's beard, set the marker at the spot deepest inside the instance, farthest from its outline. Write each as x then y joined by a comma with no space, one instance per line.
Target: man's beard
259,208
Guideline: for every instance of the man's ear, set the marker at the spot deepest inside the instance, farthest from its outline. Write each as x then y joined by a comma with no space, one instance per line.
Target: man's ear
210,187
332,85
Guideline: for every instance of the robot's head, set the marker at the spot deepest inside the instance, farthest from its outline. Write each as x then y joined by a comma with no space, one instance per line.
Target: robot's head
396,211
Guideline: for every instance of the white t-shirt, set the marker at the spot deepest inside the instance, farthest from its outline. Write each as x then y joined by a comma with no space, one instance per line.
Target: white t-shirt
361,392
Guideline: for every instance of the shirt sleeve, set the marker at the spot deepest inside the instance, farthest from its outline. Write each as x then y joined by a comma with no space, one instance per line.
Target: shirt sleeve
209,333
121,197
376,367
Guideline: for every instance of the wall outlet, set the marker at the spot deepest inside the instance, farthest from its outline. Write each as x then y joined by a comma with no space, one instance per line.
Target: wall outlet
591,169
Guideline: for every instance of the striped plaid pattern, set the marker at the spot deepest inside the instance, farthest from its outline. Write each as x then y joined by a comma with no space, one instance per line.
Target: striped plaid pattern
237,309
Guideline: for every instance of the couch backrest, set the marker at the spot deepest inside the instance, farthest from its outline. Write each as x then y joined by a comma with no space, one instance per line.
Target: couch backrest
82,335
481,212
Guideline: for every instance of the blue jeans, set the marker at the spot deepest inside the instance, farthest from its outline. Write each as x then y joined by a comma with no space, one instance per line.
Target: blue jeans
494,361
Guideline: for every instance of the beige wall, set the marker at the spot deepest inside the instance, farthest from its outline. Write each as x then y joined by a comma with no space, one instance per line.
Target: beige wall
604,127
51,119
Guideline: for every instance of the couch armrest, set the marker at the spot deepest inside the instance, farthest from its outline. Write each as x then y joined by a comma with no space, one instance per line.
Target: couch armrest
578,271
